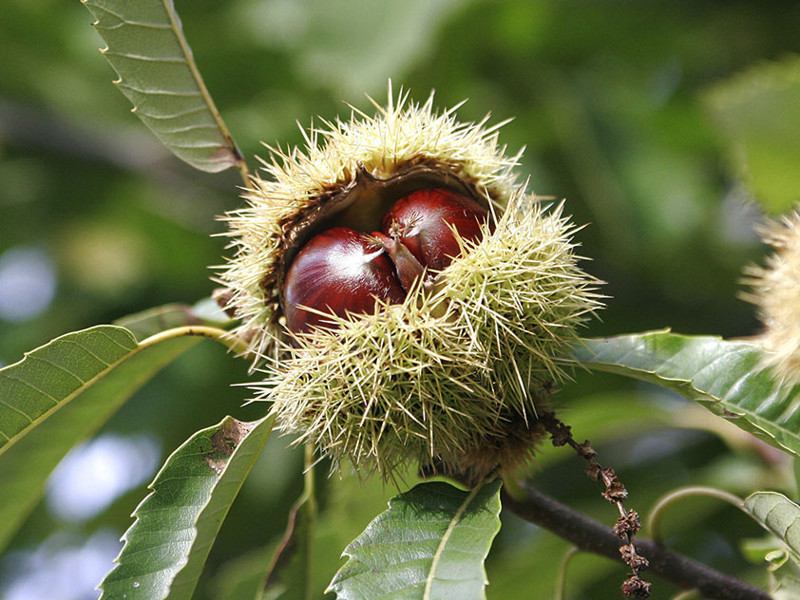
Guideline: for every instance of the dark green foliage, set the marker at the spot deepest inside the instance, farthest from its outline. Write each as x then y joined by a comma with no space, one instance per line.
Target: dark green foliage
635,113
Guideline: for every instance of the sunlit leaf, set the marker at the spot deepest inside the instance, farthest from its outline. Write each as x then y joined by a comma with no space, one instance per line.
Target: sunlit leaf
331,45
759,114
723,376
431,543
158,74
351,503
785,588
58,395
176,525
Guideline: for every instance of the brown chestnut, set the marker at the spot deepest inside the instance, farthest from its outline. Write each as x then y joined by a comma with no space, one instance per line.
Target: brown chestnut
422,222
338,271
342,271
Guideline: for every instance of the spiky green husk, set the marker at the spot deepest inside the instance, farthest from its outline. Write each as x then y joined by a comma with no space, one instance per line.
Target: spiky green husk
401,134
776,293
451,378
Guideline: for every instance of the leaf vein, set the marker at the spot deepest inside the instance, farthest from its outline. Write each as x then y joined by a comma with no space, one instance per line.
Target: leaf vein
158,92
183,113
31,386
145,58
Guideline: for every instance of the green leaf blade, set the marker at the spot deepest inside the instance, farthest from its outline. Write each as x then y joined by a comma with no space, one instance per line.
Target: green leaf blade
33,387
779,515
157,73
431,543
723,376
60,394
166,547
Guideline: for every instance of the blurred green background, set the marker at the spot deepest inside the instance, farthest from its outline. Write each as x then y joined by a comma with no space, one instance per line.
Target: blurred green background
615,103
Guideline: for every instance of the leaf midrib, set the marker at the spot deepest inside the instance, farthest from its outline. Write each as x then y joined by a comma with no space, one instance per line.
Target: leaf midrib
445,538
66,400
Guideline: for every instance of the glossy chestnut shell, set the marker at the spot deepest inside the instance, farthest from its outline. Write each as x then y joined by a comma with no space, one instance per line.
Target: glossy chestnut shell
339,271
342,271
423,222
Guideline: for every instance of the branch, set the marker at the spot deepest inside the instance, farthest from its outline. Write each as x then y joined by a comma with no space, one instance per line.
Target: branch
591,536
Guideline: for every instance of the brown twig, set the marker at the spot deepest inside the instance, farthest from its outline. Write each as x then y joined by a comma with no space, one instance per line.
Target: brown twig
591,536
628,523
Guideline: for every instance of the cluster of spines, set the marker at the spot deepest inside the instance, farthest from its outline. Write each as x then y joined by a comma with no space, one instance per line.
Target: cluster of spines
445,374
776,293
401,133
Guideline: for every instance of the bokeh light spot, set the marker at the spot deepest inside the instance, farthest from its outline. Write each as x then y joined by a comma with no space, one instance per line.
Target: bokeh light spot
27,283
98,472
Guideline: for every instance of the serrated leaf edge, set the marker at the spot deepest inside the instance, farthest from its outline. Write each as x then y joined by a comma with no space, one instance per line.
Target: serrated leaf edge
181,564
441,546
228,154
700,396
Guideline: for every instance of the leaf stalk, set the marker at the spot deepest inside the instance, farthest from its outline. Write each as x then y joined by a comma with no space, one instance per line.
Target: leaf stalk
655,518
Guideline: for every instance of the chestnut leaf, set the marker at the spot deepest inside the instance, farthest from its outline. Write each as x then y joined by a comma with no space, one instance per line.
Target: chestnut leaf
158,74
58,395
167,546
431,543
726,377
778,515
